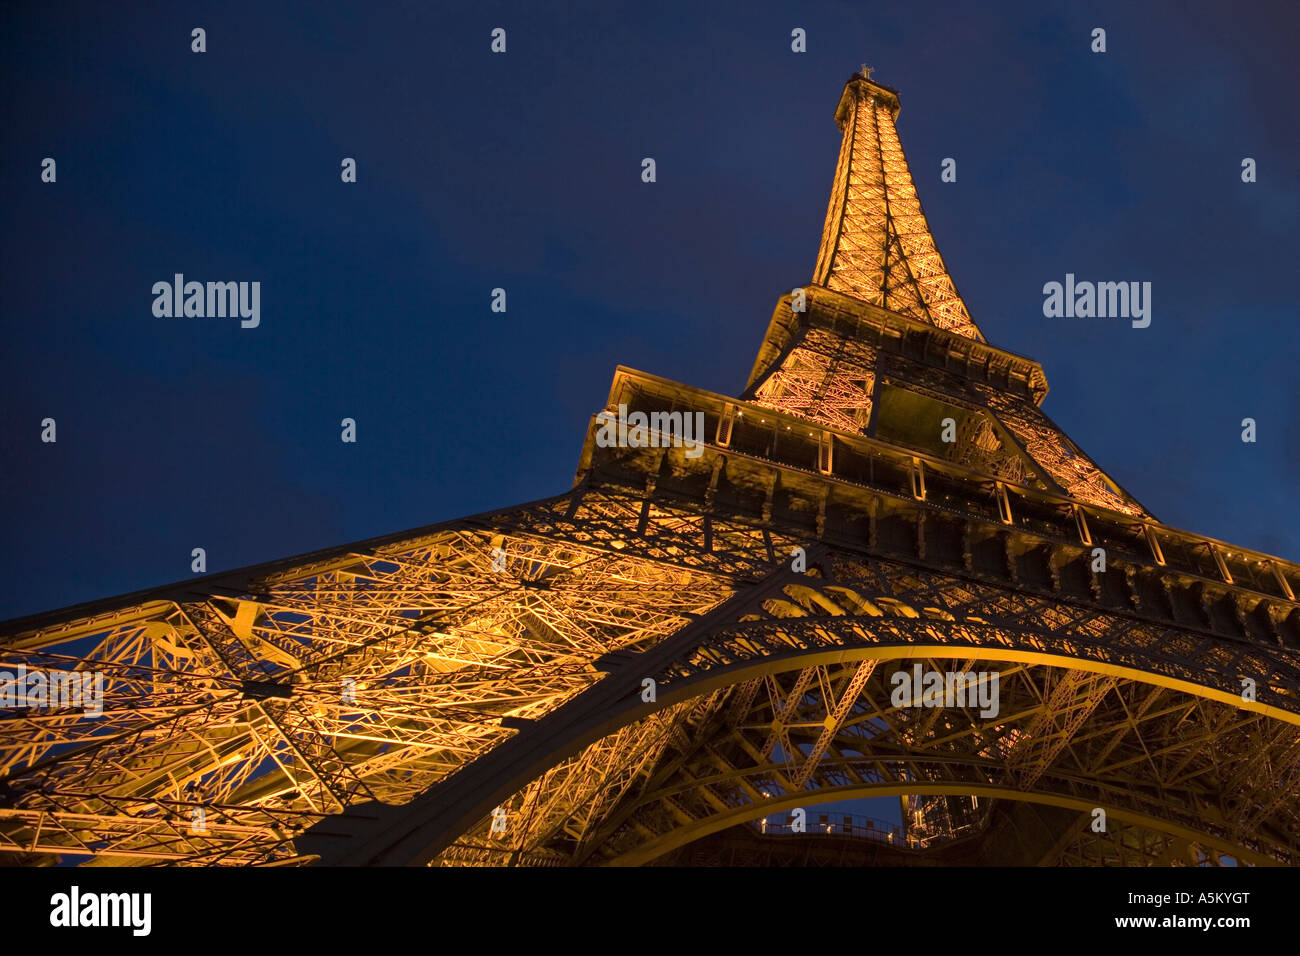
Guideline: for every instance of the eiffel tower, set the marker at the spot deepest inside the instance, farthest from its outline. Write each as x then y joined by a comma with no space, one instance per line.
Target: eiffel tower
696,640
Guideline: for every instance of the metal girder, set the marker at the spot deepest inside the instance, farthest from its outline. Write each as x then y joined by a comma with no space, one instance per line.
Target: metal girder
879,759
366,676
1054,724
834,721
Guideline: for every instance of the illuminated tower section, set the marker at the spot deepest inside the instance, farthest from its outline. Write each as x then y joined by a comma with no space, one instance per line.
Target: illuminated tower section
690,640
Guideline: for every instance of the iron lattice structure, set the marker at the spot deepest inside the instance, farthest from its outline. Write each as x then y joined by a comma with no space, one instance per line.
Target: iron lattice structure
474,692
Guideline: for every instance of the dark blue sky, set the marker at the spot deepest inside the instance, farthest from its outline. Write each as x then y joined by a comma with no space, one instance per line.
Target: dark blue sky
522,171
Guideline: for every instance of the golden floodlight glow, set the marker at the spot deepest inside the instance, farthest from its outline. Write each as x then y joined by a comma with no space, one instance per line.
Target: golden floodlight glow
639,668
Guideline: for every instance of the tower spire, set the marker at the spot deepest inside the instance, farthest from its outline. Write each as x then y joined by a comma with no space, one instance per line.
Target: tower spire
876,244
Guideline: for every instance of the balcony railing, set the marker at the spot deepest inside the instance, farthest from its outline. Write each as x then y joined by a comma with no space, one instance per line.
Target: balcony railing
832,824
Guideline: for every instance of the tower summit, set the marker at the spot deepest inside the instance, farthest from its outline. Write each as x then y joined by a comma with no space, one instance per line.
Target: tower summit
882,344
876,245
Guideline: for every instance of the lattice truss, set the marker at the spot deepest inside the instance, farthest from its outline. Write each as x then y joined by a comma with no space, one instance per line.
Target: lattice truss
370,675
568,803
1182,777
979,448
876,245
1046,444
829,379
826,379
1121,845
1125,845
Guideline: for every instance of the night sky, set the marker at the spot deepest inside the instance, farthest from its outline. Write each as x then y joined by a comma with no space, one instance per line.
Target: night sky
523,171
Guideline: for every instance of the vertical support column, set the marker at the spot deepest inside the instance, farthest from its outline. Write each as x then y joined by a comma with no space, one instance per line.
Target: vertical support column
1282,582
1153,543
825,452
918,479
1218,560
1004,504
725,424
1081,522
